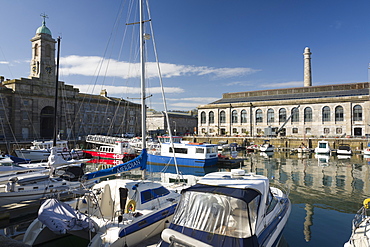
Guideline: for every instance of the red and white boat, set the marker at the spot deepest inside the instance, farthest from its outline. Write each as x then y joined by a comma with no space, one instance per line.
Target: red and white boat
114,148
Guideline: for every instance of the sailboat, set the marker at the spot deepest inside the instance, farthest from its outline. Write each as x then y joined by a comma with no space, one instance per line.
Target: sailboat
114,212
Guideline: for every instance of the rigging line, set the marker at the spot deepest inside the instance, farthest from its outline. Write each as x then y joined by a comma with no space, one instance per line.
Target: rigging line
99,68
7,63
162,89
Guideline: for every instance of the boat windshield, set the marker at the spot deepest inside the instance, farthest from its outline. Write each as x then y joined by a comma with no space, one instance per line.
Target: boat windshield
217,214
322,145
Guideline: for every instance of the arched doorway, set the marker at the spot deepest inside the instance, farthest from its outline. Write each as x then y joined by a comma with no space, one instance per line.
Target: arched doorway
47,122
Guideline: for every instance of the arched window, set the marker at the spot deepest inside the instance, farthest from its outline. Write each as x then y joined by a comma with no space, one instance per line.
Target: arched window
243,116
307,114
203,119
326,114
357,113
339,116
295,114
36,51
270,116
282,115
259,117
234,115
211,118
222,117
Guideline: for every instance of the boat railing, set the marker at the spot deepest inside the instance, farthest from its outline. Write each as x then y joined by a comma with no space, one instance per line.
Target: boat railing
101,139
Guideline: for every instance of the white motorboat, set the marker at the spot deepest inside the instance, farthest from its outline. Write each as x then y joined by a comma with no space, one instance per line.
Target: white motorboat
40,151
267,147
323,148
344,149
229,209
360,236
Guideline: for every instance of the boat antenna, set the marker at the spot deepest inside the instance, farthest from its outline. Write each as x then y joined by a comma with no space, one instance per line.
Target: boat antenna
56,94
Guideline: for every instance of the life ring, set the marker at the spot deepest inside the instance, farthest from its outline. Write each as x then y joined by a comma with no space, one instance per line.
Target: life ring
130,206
366,203
65,149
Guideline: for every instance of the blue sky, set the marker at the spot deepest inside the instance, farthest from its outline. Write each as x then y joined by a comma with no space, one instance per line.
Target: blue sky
205,47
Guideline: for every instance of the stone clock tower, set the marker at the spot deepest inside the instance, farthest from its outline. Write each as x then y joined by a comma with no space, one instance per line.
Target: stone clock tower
43,54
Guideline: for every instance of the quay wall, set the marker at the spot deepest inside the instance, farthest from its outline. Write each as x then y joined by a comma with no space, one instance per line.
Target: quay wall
282,143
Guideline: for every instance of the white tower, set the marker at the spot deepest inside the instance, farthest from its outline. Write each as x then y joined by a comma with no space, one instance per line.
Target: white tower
307,68
43,54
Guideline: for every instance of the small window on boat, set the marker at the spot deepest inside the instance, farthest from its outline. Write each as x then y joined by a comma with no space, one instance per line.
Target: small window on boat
20,189
152,194
35,188
51,186
271,202
199,150
179,150
210,150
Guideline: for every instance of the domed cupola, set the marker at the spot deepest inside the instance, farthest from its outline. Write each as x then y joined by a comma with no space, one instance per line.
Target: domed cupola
43,28
43,54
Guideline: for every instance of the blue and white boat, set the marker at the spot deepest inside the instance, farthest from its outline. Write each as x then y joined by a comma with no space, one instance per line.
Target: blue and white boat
229,209
186,154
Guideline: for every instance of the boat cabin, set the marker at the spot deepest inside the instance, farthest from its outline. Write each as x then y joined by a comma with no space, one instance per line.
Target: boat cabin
47,145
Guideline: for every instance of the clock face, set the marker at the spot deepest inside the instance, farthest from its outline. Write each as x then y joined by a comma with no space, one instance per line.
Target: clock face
48,69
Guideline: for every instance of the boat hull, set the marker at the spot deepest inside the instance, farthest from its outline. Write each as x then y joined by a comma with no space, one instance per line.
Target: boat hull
105,155
181,162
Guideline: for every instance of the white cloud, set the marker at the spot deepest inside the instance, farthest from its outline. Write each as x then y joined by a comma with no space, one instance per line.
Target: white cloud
94,65
121,90
4,62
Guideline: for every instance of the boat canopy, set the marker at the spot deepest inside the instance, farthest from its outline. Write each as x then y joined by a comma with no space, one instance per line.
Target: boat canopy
207,209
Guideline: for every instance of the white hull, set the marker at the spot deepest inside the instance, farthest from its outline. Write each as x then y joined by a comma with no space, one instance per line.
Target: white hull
43,155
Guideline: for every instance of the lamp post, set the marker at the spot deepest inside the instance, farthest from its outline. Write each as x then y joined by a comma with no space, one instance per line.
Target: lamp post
175,127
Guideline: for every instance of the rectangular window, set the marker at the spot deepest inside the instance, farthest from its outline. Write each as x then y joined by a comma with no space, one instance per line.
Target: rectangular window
199,150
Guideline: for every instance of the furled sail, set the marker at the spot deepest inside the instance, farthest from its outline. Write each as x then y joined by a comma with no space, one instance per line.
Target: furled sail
138,162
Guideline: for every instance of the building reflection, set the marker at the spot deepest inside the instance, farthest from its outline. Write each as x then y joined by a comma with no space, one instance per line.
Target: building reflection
328,182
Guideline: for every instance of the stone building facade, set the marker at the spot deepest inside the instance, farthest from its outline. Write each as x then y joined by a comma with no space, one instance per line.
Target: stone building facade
312,111
181,123
28,104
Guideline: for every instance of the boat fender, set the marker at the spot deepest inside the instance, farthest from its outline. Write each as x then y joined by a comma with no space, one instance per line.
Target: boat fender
65,149
366,203
130,206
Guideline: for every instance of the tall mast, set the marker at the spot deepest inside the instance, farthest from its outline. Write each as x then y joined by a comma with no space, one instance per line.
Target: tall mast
142,61
56,96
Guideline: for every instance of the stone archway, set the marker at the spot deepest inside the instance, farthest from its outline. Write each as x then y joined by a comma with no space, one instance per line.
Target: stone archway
47,122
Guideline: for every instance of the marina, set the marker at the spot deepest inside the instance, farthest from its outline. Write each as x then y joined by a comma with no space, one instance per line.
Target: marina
325,192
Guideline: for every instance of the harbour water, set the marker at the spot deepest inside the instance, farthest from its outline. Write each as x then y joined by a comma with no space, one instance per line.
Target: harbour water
325,191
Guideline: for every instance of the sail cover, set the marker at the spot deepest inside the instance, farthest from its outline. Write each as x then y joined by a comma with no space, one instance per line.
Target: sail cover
61,218
138,162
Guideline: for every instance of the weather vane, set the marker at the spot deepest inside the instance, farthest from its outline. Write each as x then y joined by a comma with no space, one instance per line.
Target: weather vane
44,16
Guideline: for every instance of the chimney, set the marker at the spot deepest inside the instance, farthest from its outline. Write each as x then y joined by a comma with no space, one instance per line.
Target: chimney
307,82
